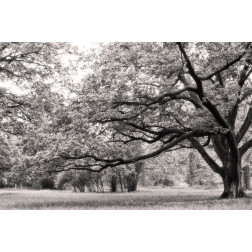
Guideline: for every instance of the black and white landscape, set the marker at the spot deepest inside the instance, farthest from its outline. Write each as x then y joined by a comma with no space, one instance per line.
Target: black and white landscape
125,125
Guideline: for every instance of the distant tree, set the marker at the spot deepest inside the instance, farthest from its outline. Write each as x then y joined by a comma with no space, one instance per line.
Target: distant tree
192,168
246,178
28,66
6,158
81,180
113,183
32,68
199,174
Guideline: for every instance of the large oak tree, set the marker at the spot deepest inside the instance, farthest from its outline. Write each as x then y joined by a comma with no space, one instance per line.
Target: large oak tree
167,96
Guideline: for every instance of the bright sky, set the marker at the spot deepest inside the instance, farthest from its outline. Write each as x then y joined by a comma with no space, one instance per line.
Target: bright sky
10,86
13,88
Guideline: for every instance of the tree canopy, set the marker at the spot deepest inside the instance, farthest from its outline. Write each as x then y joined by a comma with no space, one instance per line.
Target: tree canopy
167,96
160,97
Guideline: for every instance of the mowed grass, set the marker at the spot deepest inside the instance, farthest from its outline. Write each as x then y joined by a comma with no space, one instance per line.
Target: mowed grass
149,199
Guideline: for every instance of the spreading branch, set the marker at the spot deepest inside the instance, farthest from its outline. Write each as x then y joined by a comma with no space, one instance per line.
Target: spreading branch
102,163
245,147
245,126
228,65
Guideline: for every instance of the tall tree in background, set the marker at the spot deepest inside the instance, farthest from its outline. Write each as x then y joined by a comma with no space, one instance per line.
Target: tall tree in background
32,69
168,96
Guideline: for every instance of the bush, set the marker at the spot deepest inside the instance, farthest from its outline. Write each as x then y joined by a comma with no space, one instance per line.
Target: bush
3,182
47,183
168,182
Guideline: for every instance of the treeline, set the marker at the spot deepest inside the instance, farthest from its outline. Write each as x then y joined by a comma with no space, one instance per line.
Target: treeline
169,171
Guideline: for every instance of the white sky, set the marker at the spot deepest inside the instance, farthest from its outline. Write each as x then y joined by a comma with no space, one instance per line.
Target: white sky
11,87
15,89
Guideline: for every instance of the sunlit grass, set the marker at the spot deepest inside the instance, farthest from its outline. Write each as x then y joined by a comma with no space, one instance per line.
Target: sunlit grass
143,199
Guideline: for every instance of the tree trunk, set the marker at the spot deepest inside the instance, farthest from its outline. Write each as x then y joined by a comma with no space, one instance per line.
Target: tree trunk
120,181
192,167
82,189
101,183
131,182
247,185
233,187
227,150
113,183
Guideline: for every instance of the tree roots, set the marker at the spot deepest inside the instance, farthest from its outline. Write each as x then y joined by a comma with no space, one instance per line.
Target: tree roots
232,195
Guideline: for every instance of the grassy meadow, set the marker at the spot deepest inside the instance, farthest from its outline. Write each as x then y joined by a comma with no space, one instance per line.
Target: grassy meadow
152,199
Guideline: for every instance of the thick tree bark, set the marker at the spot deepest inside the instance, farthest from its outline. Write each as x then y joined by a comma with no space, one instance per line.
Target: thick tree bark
227,150
232,181
232,187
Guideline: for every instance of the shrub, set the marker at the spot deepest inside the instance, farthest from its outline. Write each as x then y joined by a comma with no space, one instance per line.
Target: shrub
47,183
168,182
3,182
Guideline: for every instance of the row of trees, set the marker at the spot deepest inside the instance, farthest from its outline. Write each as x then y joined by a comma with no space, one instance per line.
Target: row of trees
156,97
167,170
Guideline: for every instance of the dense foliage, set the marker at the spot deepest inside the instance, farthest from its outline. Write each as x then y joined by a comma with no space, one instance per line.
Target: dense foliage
131,105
